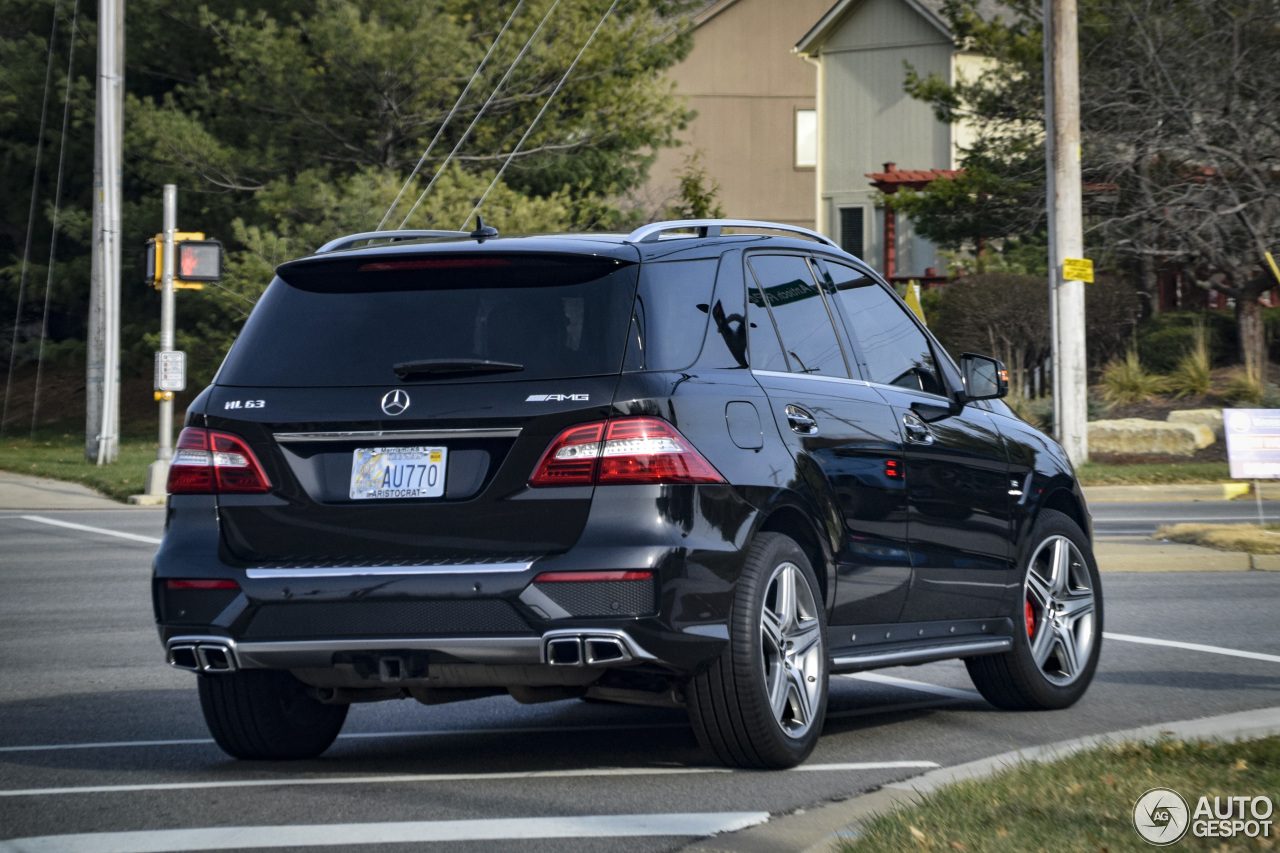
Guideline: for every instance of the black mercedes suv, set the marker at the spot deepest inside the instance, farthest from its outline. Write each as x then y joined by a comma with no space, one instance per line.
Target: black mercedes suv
702,465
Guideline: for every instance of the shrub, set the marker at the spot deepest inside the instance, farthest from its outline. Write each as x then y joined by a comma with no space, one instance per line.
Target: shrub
1245,387
1192,375
1127,381
1164,339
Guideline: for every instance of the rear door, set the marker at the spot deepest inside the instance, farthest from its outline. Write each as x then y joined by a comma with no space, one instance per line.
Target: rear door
841,433
399,402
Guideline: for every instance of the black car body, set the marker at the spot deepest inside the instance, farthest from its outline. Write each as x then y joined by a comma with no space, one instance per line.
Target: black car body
585,465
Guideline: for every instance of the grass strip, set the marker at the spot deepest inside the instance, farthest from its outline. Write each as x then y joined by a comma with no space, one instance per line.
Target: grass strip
1153,474
61,457
1080,803
1249,538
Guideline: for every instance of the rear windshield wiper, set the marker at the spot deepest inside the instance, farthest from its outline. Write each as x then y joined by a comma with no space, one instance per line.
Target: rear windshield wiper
452,366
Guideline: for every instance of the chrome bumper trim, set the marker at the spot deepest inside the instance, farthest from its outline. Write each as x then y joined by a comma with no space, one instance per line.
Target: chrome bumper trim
290,654
395,434
365,571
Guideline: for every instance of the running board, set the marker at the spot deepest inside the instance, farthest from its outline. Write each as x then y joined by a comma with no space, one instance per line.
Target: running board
872,659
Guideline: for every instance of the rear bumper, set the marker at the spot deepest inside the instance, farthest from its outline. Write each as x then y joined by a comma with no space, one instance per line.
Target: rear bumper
212,654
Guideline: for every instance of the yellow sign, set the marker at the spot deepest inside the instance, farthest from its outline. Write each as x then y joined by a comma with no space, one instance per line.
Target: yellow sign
1077,269
155,260
1275,270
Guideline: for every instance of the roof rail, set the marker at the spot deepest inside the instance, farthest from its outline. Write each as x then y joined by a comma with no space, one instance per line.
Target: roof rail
653,232
393,236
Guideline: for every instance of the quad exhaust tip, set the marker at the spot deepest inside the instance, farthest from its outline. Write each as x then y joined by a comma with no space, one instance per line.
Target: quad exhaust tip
587,650
204,656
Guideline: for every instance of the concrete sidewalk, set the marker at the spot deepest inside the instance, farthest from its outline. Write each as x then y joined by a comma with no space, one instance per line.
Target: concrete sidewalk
1240,490
23,493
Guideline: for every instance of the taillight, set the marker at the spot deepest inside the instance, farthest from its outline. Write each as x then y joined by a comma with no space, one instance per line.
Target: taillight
622,451
206,462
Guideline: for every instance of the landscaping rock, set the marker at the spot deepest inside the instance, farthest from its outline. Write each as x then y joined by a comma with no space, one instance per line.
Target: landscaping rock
1135,435
1212,418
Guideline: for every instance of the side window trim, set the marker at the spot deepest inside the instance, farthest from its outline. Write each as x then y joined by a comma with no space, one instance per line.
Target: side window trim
768,309
944,376
832,317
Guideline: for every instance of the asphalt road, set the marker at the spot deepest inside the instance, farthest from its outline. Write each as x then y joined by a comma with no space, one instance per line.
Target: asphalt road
1141,519
98,736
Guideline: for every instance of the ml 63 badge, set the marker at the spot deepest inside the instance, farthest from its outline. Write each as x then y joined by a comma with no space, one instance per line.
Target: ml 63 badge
398,472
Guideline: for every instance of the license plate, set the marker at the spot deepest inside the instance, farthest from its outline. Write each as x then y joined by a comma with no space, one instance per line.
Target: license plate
398,472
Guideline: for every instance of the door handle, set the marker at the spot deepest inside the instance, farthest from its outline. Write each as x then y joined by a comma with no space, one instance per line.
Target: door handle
802,423
917,431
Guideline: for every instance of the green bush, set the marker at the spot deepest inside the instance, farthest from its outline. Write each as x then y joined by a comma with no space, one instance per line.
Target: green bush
1192,375
1165,338
1128,381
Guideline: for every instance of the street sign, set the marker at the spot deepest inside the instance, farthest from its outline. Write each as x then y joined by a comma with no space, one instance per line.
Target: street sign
1253,443
171,371
1077,269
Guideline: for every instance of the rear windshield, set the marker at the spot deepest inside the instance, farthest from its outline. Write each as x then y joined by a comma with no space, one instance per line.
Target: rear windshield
350,321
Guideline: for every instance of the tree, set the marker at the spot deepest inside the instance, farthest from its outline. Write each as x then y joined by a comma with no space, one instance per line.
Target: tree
287,122
1180,121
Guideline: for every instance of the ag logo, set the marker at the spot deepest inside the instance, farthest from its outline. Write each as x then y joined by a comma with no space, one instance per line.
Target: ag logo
395,402
1161,816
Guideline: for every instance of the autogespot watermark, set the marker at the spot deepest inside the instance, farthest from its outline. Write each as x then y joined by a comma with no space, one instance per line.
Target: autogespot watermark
1162,817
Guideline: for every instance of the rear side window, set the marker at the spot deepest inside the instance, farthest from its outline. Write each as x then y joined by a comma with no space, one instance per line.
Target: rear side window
893,348
669,319
786,285
349,321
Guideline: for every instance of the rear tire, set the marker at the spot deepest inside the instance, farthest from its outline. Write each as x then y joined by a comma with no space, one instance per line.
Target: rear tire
763,702
1058,627
267,714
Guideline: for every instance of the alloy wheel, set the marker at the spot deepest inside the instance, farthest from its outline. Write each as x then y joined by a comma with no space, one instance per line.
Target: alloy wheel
792,648
1060,611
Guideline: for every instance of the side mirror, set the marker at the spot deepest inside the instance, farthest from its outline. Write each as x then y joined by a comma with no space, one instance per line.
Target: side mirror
984,377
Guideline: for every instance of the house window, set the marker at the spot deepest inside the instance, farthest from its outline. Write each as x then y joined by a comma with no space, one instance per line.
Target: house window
851,230
806,139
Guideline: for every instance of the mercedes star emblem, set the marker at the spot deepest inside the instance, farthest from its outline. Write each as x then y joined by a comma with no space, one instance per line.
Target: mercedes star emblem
395,402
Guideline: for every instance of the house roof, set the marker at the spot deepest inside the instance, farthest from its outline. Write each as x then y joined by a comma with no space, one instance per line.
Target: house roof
930,10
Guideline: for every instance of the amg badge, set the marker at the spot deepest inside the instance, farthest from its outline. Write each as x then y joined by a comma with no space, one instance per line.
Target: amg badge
557,398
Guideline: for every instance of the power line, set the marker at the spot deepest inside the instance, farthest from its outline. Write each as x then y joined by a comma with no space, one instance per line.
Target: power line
57,201
480,114
449,117
554,92
31,217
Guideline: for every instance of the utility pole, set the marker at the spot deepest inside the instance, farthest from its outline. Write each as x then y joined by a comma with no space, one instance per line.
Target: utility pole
1066,228
102,424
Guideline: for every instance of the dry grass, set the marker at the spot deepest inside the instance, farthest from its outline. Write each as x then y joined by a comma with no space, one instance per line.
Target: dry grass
1249,538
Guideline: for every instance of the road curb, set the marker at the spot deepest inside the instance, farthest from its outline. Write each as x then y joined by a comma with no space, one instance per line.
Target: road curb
817,830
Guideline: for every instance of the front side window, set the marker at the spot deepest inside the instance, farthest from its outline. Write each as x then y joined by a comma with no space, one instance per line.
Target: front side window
785,284
893,349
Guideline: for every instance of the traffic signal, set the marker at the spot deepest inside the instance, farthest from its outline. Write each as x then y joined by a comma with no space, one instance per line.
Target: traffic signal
199,260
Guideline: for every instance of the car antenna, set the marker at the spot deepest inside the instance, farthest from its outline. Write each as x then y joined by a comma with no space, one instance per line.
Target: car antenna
483,232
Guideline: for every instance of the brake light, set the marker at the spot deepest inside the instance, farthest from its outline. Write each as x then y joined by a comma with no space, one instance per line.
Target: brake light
434,264
620,451
206,462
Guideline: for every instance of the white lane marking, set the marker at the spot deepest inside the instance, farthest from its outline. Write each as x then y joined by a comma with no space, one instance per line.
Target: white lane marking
329,835
523,730
935,689
1194,647
150,540
587,772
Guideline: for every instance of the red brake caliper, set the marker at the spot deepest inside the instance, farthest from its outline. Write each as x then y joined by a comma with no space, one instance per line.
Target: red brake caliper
1031,620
